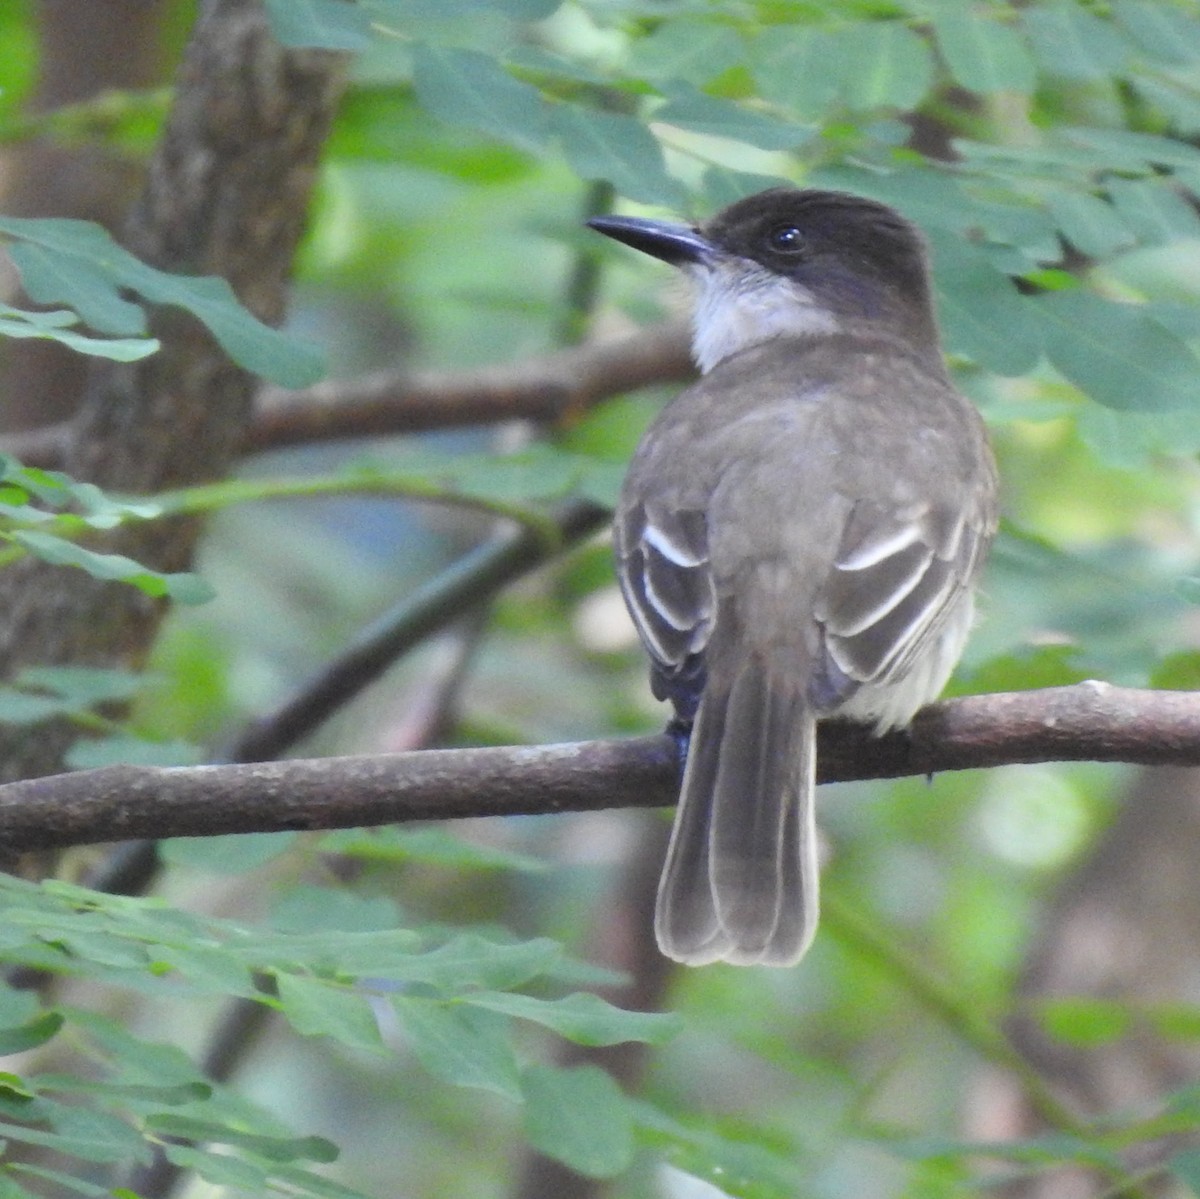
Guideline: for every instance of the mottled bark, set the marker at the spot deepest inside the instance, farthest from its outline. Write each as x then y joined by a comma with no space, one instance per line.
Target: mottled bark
84,50
226,194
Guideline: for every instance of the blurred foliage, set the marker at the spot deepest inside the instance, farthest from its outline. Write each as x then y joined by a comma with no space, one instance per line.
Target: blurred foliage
1048,150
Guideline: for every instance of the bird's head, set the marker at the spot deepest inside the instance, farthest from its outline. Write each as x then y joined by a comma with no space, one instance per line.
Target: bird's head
792,263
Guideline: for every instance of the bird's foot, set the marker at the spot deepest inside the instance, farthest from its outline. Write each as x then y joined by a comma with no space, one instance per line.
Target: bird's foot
680,731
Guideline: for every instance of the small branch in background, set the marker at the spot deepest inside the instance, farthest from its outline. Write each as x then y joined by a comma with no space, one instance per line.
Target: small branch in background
475,578
431,708
583,281
1086,722
543,389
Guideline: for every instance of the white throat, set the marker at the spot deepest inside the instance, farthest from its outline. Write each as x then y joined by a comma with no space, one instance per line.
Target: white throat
737,307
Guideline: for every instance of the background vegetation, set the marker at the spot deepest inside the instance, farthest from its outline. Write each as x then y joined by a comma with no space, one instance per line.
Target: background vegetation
1004,993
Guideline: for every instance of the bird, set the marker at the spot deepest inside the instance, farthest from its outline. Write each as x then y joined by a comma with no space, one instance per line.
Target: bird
799,536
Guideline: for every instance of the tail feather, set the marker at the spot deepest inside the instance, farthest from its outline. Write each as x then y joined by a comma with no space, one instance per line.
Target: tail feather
740,880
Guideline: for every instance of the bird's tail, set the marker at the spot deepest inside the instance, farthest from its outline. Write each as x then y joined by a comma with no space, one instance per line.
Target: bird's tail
740,880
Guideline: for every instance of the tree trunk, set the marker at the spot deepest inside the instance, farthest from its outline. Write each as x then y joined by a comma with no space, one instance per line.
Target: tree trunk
226,194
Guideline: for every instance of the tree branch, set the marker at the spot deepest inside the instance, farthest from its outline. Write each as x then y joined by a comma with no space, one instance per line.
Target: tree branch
472,580
544,389
1089,721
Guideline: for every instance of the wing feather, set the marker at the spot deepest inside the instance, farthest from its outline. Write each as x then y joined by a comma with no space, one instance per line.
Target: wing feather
668,586
896,578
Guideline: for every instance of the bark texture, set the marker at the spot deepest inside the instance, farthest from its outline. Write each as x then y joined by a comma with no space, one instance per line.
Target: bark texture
85,50
226,194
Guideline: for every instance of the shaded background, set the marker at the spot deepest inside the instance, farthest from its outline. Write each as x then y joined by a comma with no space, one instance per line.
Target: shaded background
441,244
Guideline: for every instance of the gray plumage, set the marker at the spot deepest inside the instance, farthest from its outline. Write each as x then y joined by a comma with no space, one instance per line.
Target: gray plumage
798,536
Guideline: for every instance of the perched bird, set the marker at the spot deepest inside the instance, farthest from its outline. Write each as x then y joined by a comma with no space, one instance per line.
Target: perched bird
798,537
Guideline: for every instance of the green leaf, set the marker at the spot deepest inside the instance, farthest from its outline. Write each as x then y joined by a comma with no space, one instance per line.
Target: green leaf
30,1035
464,87
64,261
17,322
78,263
321,1009
469,960
536,473
1090,224
893,67
517,10
1176,1022
1180,671
1128,439
982,314
233,854
434,846
306,1182
578,1116
273,1148
692,51
390,954
1069,42
17,1005
1084,1021
722,186
725,1158
618,149
1049,1149
307,908
464,1046
84,1133
1117,353
584,1018
688,108
137,1060
984,54
183,588
800,68
207,969
1027,669
1124,149
129,750
326,24
1164,31
83,686
67,1182
934,199
107,1091
221,1169
19,707
1177,103
1154,210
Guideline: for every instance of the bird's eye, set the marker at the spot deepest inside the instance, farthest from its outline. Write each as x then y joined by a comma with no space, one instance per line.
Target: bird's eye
786,239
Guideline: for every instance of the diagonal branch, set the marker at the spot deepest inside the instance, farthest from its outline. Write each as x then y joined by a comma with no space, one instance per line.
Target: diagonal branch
472,580
1088,721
